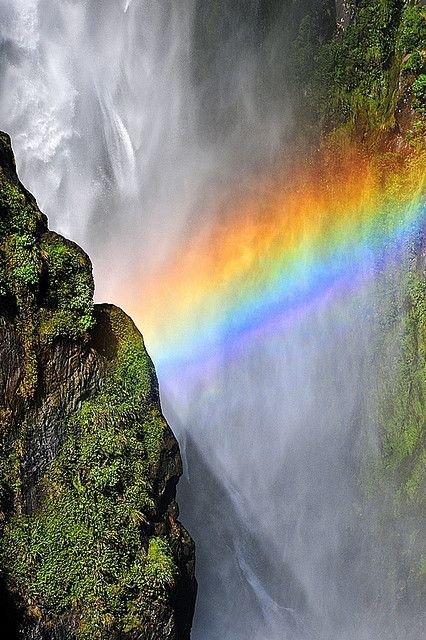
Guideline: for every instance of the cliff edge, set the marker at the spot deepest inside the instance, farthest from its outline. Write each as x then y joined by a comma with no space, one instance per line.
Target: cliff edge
90,544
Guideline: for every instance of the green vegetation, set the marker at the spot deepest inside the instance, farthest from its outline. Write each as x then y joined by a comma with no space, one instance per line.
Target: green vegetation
86,549
90,552
372,78
394,474
20,268
358,69
67,305
419,92
413,28
95,553
365,87
45,280
364,81
354,78
402,395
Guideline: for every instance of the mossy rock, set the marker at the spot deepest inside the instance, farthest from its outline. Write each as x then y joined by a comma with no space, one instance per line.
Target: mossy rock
66,296
90,547
90,550
46,282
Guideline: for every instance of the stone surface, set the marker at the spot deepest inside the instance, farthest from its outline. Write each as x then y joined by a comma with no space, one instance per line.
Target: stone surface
61,360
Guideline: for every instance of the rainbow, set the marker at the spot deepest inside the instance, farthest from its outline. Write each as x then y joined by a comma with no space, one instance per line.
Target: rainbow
296,240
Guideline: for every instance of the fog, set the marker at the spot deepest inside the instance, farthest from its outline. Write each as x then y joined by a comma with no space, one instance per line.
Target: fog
132,121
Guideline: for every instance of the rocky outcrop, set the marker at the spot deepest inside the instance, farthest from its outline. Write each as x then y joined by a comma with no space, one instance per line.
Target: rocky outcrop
344,12
90,543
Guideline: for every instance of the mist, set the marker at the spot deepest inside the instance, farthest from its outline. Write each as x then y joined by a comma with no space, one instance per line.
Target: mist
120,140
132,123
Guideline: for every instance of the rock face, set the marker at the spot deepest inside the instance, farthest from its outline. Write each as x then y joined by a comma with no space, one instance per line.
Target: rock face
344,12
90,544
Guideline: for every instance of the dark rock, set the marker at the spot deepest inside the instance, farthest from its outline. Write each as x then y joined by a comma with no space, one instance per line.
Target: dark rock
81,434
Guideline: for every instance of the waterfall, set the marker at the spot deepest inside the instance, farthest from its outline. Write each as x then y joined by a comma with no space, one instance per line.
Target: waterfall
100,101
131,128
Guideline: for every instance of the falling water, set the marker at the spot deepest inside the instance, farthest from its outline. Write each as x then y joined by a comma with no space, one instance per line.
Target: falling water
129,118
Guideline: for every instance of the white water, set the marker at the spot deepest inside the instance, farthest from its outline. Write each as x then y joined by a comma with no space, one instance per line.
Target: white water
123,146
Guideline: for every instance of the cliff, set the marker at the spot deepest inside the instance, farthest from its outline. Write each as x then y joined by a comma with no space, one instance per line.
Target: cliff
365,86
90,544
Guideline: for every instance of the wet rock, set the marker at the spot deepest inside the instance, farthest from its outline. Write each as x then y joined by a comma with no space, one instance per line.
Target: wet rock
90,543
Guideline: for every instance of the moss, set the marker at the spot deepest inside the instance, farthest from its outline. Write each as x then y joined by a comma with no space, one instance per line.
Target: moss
358,69
89,552
20,221
69,556
361,79
44,279
419,92
22,271
353,78
413,28
403,396
18,213
367,88
154,579
67,305
159,569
